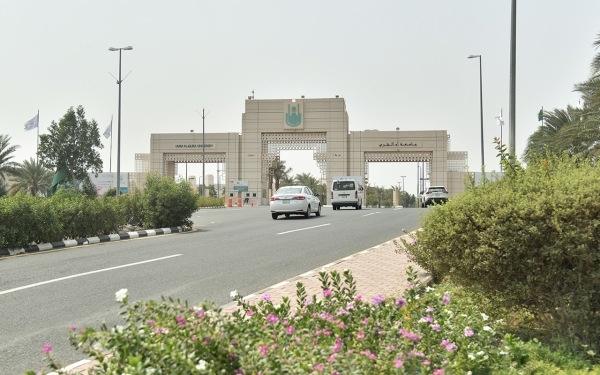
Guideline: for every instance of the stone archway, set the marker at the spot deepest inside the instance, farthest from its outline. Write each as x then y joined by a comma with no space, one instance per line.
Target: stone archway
273,143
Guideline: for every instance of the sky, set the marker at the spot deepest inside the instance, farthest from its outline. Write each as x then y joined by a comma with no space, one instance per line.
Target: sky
396,63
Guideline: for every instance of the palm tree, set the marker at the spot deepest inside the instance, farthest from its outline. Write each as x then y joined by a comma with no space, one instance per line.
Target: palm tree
6,166
308,180
32,177
287,181
3,188
551,134
280,172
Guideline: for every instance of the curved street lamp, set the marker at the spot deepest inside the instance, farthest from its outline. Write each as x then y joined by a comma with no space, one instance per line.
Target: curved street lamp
128,48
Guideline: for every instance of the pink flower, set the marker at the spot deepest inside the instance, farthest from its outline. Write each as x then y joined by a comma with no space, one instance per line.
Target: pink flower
150,322
410,335
358,298
327,333
73,328
201,314
426,363
263,350
398,363
378,299
410,287
429,308
326,293
361,335
428,319
180,320
272,319
401,302
319,367
341,325
47,348
350,306
436,327
468,333
290,330
439,372
366,321
266,297
446,299
338,345
331,358
250,312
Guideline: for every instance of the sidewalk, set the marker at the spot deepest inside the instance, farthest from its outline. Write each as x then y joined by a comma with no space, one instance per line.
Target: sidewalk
377,270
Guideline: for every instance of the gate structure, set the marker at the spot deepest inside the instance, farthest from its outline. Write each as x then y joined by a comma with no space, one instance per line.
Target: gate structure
320,125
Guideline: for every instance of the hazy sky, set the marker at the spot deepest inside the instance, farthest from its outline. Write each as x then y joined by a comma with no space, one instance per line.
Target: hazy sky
397,63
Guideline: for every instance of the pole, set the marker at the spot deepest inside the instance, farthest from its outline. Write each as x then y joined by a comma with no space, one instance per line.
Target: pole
38,138
110,157
513,68
481,112
203,147
119,133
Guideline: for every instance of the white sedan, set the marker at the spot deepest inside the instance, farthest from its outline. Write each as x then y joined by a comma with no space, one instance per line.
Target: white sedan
295,200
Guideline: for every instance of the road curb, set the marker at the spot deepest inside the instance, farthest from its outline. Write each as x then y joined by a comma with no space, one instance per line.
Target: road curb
91,240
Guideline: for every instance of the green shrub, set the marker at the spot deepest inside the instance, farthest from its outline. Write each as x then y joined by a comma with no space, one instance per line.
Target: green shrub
531,239
167,203
131,206
210,202
82,217
26,220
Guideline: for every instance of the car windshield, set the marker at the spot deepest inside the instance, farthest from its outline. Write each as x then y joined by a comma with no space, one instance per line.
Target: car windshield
343,185
437,189
289,190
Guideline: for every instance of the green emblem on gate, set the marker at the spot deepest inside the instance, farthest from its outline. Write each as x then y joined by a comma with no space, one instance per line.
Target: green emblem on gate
293,117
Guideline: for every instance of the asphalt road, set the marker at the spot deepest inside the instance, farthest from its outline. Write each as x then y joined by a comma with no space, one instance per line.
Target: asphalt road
243,249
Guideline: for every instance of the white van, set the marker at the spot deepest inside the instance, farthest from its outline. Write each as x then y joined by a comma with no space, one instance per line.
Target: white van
346,193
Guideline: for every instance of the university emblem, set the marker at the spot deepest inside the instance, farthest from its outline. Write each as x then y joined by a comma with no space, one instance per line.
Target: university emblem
293,117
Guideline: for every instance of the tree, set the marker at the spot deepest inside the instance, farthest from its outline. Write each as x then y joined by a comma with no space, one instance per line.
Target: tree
6,166
573,130
212,191
32,177
3,188
287,181
280,172
308,180
72,143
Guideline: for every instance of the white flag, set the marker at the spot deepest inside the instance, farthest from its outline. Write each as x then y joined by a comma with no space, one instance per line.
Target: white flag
108,130
33,123
499,119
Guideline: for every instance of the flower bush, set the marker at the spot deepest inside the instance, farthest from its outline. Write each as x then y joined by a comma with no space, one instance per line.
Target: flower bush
337,333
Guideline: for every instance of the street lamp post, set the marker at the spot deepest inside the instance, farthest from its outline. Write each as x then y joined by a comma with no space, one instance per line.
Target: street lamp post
480,106
128,48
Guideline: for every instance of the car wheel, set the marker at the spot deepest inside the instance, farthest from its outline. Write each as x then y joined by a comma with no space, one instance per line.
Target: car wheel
319,211
307,213
274,216
334,208
287,215
357,206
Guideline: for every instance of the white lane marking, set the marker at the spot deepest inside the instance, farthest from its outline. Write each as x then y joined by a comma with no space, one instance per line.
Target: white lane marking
297,230
373,213
85,274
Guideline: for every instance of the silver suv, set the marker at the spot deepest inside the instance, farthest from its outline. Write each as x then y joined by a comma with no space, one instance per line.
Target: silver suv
437,194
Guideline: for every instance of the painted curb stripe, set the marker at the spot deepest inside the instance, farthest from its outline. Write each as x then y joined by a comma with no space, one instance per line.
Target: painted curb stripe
90,240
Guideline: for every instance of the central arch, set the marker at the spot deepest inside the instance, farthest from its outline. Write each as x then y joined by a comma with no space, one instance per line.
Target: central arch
273,143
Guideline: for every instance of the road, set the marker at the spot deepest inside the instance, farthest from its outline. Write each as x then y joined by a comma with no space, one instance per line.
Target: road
243,249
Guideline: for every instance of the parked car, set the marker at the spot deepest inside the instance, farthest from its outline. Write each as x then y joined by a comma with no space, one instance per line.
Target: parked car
346,193
295,200
437,194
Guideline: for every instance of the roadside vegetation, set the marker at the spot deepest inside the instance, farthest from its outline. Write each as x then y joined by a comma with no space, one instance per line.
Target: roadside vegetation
26,219
516,288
